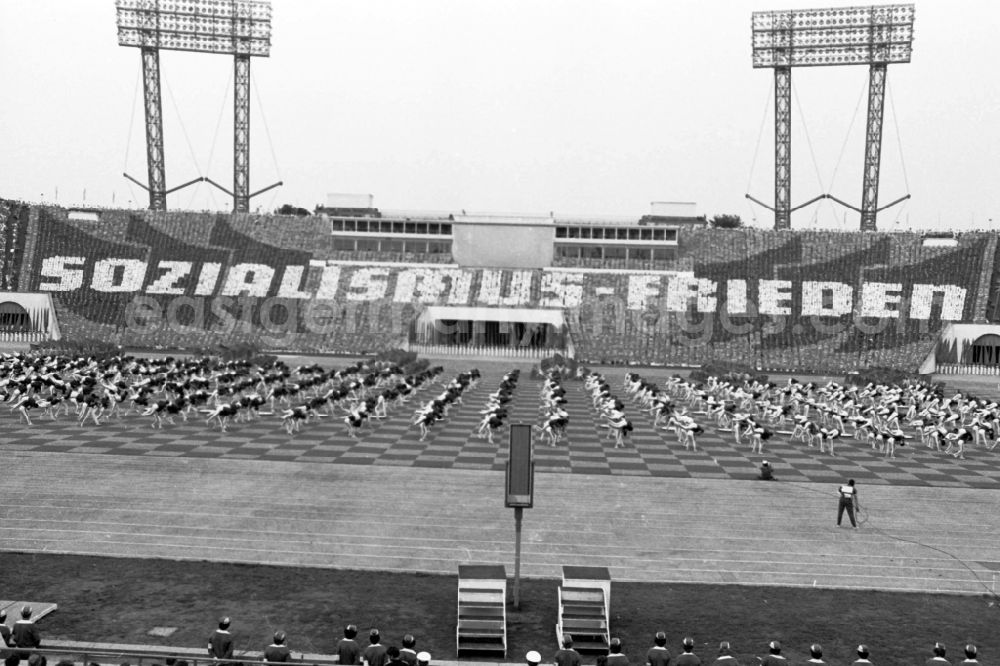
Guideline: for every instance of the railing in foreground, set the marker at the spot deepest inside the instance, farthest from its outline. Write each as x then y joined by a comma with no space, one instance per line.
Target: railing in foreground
138,655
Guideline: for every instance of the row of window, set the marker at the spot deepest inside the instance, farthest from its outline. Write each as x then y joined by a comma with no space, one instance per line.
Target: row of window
390,226
617,233
615,252
391,245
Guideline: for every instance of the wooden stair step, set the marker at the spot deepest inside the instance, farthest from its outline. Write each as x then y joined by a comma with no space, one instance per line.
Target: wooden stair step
481,646
470,626
575,610
581,594
575,625
591,645
480,597
480,612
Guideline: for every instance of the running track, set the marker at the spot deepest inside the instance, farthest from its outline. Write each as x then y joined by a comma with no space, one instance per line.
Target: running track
390,502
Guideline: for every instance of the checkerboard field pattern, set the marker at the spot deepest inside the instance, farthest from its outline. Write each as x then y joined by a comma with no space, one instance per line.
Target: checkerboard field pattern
453,444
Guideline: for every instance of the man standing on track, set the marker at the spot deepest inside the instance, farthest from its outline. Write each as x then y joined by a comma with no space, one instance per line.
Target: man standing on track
849,501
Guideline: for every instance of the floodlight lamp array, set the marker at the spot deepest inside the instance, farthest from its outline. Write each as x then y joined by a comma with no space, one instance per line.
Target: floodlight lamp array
843,36
240,27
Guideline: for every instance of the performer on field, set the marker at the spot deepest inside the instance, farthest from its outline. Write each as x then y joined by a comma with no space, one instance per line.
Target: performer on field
849,501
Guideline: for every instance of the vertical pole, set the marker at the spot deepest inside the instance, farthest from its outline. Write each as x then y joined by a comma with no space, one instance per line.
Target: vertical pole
873,145
518,514
156,170
241,133
782,147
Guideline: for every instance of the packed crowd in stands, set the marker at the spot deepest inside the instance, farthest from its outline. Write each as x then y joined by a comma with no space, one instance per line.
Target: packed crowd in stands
604,330
23,642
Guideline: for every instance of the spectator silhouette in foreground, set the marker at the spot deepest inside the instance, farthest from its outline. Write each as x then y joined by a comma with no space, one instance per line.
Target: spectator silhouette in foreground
658,655
4,636
688,657
220,643
392,656
25,635
938,659
971,655
815,655
774,657
615,656
567,656
348,650
408,652
277,651
423,659
375,654
725,657
862,659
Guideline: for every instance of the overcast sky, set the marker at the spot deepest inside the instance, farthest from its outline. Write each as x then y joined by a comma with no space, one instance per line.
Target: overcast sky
581,107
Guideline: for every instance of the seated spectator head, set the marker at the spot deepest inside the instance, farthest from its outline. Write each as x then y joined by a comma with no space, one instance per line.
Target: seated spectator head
224,623
815,651
863,651
409,641
602,660
350,631
660,639
279,638
724,648
567,641
616,645
3,616
374,636
65,662
25,612
392,652
774,647
533,658
687,644
37,659
939,650
423,658
170,661
971,651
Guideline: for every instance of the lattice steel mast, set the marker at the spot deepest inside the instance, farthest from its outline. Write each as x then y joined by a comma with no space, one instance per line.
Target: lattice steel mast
875,35
782,147
241,133
155,167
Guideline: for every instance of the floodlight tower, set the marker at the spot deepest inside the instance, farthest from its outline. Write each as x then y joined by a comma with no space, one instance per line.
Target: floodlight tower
875,35
238,27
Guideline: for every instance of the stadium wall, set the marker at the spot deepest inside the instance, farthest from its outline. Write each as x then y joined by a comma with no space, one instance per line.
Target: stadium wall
793,300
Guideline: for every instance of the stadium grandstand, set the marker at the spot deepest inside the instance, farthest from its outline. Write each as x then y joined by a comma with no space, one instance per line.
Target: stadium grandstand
611,292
